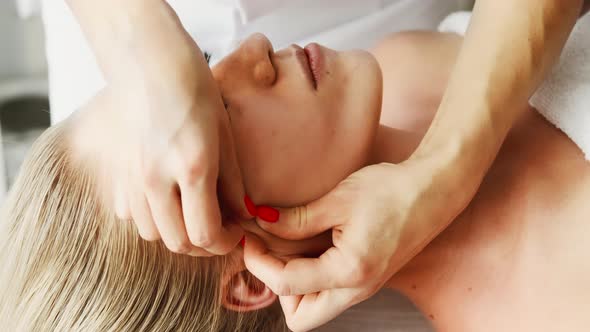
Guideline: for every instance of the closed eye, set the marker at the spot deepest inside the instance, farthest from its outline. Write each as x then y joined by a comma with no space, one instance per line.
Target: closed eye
226,106
207,57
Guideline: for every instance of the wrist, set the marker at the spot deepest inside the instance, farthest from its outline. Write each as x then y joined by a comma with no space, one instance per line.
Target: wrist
452,170
142,39
462,148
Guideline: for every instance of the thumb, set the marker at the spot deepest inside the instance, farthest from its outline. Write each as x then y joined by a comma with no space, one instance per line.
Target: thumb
300,222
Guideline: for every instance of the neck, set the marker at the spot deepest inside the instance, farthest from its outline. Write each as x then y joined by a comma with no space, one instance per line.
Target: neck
447,272
415,280
451,272
393,145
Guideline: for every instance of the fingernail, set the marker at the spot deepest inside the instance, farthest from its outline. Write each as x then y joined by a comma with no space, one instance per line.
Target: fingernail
243,241
250,206
268,214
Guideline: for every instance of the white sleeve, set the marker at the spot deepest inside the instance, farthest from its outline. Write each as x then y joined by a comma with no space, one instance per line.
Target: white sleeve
28,8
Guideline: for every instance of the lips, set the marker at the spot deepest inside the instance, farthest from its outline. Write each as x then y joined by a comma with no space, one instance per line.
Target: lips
315,58
304,61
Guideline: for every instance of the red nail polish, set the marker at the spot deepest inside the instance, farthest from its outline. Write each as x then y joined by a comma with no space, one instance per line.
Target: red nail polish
243,241
268,214
250,206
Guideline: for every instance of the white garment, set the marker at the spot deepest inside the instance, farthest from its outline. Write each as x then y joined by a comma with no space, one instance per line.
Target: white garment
219,25
27,8
564,96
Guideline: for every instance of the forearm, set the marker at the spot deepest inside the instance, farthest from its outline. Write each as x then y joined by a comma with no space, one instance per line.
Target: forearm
507,51
140,40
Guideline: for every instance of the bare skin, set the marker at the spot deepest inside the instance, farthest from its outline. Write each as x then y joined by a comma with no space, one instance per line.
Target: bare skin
167,183
507,51
514,258
171,128
517,258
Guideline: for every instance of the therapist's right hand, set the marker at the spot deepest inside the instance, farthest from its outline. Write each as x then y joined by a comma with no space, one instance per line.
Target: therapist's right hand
172,150
178,154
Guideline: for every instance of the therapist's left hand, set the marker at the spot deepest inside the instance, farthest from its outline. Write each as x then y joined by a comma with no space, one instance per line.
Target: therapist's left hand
379,218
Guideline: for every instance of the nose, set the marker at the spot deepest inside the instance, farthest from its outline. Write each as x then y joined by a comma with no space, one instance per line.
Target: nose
255,58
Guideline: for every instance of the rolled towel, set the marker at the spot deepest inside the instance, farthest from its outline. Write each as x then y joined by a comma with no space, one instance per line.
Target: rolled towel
564,96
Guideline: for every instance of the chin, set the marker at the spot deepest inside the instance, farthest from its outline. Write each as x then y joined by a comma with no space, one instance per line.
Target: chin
364,107
356,122
365,81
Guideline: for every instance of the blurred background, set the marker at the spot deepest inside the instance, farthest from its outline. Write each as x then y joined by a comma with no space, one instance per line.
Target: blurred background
24,107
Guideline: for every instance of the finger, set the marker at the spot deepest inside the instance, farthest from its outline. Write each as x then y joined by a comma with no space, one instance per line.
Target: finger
142,217
165,209
202,218
303,221
303,313
297,276
313,246
121,203
231,184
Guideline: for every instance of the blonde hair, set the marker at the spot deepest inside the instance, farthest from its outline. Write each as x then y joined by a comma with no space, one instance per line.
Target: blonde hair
68,264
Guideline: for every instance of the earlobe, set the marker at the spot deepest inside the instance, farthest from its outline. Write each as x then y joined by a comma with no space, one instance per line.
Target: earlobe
243,293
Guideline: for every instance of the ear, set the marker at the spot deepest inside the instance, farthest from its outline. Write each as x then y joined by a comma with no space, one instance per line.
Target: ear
243,293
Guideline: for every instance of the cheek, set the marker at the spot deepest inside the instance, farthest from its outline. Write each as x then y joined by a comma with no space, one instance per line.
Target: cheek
302,162
292,155
277,163
340,141
283,154
264,148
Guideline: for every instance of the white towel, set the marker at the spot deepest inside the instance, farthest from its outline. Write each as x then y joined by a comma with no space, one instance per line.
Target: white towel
564,96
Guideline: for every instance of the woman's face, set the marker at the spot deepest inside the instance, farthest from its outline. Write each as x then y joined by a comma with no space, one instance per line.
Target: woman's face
302,120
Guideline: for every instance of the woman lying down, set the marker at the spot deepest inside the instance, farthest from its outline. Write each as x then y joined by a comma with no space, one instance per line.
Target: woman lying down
517,259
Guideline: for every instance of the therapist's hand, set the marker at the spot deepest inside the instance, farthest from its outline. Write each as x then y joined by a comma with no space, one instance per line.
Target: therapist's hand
383,215
172,151
178,154
379,218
